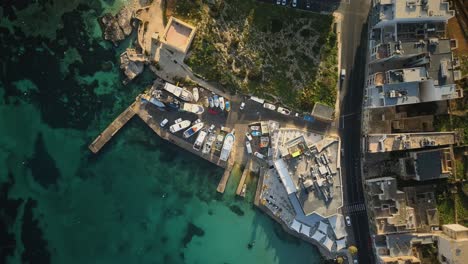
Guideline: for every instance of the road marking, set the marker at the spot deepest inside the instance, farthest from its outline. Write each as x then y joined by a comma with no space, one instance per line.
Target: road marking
354,208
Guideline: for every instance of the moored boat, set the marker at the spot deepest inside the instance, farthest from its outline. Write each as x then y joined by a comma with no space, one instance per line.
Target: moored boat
221,103
196,96
179,92
209,142
193,108
193,129
179,126
200,139
227,146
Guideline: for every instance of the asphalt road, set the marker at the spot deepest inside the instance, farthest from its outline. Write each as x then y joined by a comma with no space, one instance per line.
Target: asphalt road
354,50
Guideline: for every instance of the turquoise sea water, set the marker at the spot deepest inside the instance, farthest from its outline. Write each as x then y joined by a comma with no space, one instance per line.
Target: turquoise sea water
141,199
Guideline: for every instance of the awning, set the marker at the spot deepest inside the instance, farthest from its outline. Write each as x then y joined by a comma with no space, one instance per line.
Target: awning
318,236
338,225
296,225
282,169
323,227
340,244
328,243
305,230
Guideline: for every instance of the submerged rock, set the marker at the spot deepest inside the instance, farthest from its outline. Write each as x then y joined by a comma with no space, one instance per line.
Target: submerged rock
192,230
237,210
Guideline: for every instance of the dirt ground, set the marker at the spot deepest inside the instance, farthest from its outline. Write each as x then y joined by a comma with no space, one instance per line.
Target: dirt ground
455,32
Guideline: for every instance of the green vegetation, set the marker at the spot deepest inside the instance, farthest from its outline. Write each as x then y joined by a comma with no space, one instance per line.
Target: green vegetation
461,205
352,250
281,54
446,209
450,123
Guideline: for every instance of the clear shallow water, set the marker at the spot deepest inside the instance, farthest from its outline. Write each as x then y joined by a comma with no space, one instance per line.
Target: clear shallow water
141,200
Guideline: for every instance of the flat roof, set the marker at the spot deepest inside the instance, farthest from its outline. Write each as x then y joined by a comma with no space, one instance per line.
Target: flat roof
283,172
178,34
323,112
414,9
404,141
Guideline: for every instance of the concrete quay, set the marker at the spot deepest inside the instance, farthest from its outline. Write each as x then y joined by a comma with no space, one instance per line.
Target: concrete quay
113,128
154,125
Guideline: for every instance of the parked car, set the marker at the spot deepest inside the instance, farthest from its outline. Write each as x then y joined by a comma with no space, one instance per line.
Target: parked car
269,106
242,106
278,2
348,220
259,155
283,111
249,137
256,133
248,147
308,4
343,74
253,128
284,2
294,3
164,122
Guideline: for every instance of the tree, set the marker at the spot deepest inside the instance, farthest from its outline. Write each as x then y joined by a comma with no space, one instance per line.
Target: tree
353,250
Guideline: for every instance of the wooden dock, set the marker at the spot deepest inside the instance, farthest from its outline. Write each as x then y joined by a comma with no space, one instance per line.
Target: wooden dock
113,128
246,172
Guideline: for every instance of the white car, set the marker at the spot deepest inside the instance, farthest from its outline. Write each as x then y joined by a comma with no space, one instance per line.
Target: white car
259,155
269,106
248,147
278,2
348,220
249,137
283,111
294,3
242,106
283,2
164,122
255,128
343,74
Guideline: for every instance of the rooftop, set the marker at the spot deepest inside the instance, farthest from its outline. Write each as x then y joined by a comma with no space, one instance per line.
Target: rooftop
178,35
323,112
432,164
388,207
405,141
407,10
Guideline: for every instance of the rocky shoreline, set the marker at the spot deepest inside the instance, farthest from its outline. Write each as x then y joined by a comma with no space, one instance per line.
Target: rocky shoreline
117,28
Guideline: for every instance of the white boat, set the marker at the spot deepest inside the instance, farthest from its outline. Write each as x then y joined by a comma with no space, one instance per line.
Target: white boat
179,92
221,103
179,126
199,141
193,129
193,108
227,146
209,142
196,96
